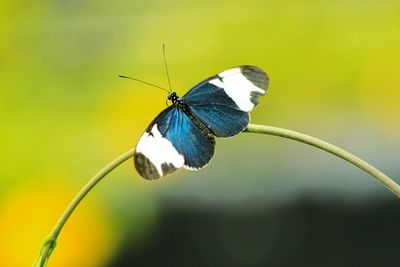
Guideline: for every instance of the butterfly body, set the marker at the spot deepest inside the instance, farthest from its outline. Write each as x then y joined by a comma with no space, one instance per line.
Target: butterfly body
182,135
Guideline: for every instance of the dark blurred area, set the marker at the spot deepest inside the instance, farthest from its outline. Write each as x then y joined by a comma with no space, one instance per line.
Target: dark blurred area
304,232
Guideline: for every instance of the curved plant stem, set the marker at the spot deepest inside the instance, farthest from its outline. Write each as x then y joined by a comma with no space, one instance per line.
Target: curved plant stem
378,175
50,242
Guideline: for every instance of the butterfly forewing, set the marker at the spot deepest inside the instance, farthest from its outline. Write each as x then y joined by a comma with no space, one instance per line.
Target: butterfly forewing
155,156
173,140
223,101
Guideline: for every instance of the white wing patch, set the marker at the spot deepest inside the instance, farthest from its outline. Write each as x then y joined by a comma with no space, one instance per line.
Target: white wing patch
238,87
159,150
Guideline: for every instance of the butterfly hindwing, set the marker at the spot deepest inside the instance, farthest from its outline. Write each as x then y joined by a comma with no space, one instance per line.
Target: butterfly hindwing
173,140
223,101
217,110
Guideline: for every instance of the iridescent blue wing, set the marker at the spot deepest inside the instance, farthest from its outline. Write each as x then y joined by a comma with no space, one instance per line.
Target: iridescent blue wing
171,141
223,101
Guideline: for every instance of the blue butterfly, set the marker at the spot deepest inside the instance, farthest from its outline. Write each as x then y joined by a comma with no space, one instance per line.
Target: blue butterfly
183,134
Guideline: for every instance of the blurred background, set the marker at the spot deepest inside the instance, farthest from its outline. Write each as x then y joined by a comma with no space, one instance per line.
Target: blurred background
263,201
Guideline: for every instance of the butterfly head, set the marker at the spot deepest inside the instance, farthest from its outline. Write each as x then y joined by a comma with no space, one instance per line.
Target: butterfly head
173,97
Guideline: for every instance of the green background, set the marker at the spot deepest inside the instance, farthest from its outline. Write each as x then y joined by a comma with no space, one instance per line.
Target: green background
334,73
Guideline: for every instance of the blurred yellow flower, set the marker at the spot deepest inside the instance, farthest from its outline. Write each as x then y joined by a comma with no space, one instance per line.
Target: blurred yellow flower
30,211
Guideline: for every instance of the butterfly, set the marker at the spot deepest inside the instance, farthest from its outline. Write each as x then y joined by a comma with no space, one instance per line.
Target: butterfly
183,134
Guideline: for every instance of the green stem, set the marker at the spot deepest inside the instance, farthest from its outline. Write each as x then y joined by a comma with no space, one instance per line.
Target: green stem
50,242
378,175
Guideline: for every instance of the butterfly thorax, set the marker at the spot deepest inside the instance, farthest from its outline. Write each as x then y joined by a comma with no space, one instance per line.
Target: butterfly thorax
177,101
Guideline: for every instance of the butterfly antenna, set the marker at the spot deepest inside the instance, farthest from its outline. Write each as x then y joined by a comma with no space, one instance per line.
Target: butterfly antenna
138,80
166,68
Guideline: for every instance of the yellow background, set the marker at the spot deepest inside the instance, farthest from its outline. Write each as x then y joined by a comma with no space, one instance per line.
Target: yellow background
334,73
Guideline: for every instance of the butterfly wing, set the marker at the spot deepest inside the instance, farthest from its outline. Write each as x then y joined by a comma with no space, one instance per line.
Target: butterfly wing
171,141
223,101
